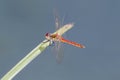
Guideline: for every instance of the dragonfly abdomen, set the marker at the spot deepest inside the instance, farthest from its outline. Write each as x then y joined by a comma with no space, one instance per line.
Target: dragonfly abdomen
72,43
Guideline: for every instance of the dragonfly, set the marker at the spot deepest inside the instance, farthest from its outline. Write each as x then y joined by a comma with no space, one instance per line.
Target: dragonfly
57,38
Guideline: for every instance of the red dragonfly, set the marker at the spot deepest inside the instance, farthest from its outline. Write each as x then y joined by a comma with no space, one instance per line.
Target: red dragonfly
57,38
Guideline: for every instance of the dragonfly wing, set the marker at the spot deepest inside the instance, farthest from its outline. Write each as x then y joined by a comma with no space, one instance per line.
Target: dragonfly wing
57,48
64,29
60,31
59,51
57,20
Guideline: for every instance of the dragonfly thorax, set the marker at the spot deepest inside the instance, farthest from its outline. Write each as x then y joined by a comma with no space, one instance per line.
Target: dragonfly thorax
53,37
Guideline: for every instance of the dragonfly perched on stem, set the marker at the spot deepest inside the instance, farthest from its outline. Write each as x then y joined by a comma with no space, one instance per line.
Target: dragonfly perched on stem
57,38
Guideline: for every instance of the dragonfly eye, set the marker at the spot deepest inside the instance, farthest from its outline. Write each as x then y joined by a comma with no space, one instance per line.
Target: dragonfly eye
47,34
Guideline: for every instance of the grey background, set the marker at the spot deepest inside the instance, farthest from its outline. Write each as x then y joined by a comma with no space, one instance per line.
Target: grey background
23,24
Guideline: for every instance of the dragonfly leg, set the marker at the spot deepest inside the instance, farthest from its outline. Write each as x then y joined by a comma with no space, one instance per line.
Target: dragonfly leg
52,43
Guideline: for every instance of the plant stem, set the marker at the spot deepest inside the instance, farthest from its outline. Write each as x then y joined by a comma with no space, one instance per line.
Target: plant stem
25,61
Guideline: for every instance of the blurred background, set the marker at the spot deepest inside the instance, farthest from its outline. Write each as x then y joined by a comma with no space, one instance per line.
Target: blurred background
23,24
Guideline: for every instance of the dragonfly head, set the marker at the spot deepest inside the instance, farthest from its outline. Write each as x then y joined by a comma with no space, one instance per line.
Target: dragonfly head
47,35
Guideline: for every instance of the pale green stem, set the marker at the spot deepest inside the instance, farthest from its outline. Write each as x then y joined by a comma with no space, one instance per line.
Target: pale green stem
25,61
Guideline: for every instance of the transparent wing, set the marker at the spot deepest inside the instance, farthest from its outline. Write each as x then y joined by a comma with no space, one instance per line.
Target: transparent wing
58,48
58,44
64,29
60,30
57,21
59,52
